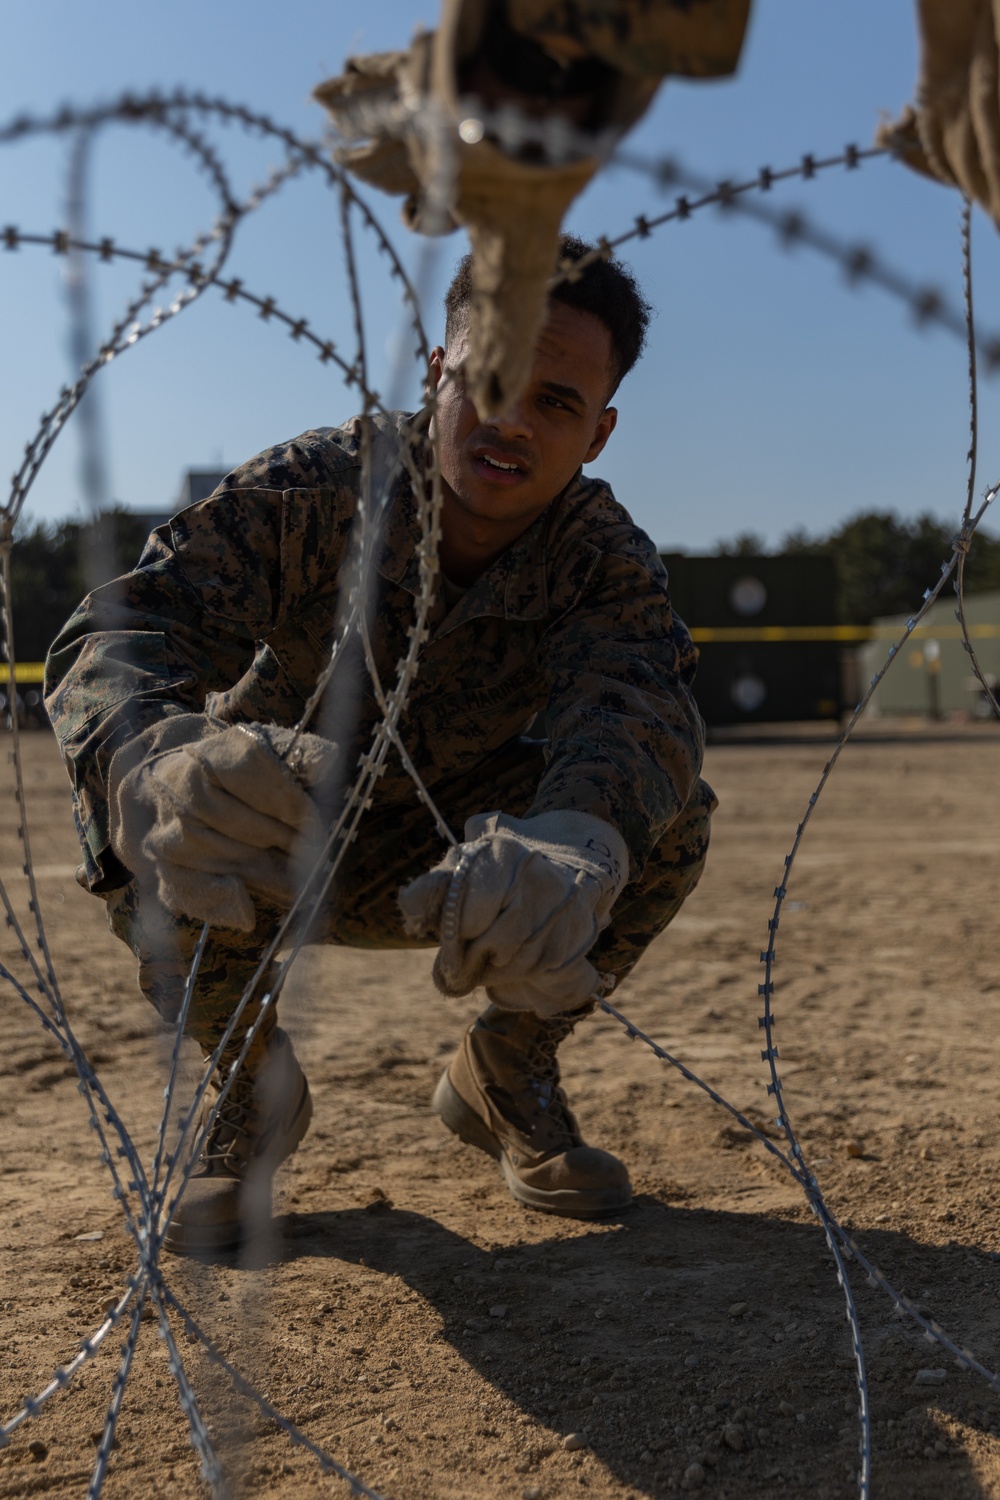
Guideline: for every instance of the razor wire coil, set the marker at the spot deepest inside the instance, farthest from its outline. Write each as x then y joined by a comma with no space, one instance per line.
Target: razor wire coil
146,1198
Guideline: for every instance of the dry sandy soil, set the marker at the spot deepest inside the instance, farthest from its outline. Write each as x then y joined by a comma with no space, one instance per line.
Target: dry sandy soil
443,1341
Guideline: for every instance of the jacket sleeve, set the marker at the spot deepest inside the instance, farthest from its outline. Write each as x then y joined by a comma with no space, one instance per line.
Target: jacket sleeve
626,740
210,586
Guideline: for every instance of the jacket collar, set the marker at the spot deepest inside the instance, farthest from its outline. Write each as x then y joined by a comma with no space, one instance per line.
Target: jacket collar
514,588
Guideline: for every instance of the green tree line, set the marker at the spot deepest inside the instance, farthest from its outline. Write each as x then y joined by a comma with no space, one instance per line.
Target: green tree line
883,563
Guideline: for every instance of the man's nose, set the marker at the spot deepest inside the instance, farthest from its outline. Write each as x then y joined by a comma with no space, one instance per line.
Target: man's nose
515,422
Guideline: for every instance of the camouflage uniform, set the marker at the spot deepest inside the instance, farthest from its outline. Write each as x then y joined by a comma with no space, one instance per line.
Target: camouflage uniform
235,602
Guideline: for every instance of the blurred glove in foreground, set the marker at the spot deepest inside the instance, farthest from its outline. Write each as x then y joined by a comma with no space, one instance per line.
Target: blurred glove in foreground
953,132
557,82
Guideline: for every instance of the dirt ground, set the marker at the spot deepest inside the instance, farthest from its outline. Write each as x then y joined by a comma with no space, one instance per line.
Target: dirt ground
441,1340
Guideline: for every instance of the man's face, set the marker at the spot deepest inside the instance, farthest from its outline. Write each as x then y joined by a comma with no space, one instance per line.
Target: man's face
507,470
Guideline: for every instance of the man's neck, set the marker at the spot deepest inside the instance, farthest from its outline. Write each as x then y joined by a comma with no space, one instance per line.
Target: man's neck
470,545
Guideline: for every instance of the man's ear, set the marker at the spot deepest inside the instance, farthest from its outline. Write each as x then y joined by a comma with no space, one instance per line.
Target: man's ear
606,424
435,370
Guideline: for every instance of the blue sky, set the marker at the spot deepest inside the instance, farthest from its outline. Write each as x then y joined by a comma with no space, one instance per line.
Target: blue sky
772,397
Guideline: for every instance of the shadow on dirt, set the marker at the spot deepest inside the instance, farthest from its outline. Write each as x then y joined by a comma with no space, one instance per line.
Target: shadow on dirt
676,1338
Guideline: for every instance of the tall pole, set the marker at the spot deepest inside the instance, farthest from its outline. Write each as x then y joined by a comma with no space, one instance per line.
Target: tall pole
92,466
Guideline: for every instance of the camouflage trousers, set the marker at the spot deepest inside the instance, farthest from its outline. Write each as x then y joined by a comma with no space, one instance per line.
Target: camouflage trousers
395,843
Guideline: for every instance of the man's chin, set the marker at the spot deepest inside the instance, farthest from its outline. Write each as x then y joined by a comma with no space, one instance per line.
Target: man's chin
501,504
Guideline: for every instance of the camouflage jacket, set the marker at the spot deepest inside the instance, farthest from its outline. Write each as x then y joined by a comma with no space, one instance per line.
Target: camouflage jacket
235,602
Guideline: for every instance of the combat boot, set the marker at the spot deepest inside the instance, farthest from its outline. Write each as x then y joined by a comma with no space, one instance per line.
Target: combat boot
501,1092
263,1118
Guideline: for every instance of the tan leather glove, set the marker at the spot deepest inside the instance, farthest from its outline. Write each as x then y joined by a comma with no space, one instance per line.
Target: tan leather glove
953,133
592,66
214,812
534,896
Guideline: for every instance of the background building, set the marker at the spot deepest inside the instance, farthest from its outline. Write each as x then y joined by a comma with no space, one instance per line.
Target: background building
769,650
932,675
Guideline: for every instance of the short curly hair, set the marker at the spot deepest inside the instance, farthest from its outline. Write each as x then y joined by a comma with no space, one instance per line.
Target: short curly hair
606,288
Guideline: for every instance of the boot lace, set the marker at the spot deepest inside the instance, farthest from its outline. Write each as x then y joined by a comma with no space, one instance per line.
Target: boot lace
230,1140
544,1078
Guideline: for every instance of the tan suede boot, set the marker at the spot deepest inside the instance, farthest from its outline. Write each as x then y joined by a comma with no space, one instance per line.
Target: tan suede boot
263,1118
501,1092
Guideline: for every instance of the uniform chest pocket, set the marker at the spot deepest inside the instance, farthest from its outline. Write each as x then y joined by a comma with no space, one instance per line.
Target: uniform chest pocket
298,652
484,714
304,642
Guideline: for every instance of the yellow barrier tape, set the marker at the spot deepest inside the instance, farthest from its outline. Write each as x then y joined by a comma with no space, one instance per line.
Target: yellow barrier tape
34,671
24,672
704,634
